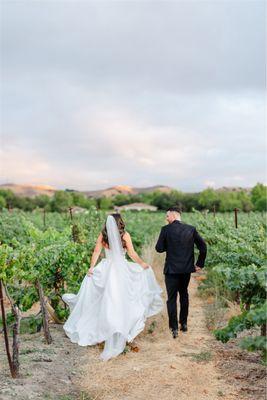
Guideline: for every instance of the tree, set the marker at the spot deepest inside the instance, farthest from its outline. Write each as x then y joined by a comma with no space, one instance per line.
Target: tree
190,201
122,199
2,202
79,199
42,201
9,197
259,197
61,201
24,203
245,200
165,200
105,203
209,198
229,201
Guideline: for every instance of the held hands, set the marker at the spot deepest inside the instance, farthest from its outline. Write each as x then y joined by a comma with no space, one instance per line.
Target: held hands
197,269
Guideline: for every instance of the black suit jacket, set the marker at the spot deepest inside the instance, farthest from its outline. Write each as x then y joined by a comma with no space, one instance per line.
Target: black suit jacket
178,240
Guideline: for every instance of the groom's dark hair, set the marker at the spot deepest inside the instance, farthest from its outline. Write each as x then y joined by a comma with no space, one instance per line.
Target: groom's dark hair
176,209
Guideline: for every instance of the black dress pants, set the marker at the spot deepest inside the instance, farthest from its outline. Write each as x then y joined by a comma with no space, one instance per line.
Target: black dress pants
177,283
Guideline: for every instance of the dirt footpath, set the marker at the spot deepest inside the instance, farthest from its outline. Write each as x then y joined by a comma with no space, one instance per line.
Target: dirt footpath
192,367
163,368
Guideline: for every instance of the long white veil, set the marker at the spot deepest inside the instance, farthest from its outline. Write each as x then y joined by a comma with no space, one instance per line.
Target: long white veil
115,251
115,344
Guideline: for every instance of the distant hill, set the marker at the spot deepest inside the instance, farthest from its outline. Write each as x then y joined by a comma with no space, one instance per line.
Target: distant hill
29,190
123,189
36,190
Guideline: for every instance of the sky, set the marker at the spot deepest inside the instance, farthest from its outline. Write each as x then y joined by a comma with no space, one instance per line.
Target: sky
140,93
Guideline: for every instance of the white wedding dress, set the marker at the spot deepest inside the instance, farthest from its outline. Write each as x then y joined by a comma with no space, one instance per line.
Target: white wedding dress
113,304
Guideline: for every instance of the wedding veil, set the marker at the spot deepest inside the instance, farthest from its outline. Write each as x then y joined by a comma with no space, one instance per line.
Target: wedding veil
115,246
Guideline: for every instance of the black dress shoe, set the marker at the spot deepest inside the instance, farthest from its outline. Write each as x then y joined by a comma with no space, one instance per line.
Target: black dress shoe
174,333
183,327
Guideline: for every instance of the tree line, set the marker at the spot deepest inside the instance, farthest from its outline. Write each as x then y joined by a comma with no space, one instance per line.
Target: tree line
213,200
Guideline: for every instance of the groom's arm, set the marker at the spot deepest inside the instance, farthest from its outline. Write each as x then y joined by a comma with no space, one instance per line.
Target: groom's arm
202,247
161,243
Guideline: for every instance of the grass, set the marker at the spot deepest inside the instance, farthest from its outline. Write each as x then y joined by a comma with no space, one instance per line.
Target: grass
214,315
152,327
81,396
127,349
28,351
205,356
24,352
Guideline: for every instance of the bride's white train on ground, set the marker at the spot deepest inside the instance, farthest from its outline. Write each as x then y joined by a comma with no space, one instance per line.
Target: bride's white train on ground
113,303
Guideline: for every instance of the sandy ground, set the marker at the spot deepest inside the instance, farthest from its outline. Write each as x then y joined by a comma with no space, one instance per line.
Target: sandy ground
163,368
193,367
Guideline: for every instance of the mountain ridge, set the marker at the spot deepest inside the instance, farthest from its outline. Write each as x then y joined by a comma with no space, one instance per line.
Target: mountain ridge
31,190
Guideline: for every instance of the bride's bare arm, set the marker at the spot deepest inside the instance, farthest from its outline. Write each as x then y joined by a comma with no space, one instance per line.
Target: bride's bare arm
131,251
96,253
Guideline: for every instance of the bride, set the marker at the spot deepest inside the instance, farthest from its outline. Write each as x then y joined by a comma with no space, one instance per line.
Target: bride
115,297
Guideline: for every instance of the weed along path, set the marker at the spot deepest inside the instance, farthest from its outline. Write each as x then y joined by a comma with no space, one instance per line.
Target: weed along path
160,367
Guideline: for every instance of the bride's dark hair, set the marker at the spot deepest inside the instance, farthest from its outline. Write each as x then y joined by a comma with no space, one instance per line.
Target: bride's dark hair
121,226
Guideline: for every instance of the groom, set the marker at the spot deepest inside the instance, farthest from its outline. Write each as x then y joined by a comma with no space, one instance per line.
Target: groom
178,239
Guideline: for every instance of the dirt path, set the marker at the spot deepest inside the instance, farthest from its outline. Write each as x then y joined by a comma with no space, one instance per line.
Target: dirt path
190,367
163,368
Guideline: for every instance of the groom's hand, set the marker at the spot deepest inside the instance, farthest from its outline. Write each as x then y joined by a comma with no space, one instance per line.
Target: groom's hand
197,269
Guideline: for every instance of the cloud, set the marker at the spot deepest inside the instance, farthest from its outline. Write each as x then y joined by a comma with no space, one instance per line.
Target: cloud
139,93
168,46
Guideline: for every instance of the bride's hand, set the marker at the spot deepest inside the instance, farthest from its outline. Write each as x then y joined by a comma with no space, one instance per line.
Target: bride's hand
145,266
90,272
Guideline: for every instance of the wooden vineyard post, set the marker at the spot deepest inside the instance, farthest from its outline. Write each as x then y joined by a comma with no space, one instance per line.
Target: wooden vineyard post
15,330
13,371
264,329
214,210
47,334
235,211
75,233
44,217
70,211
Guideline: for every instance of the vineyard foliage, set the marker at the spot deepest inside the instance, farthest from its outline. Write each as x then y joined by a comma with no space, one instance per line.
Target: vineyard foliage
57,252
